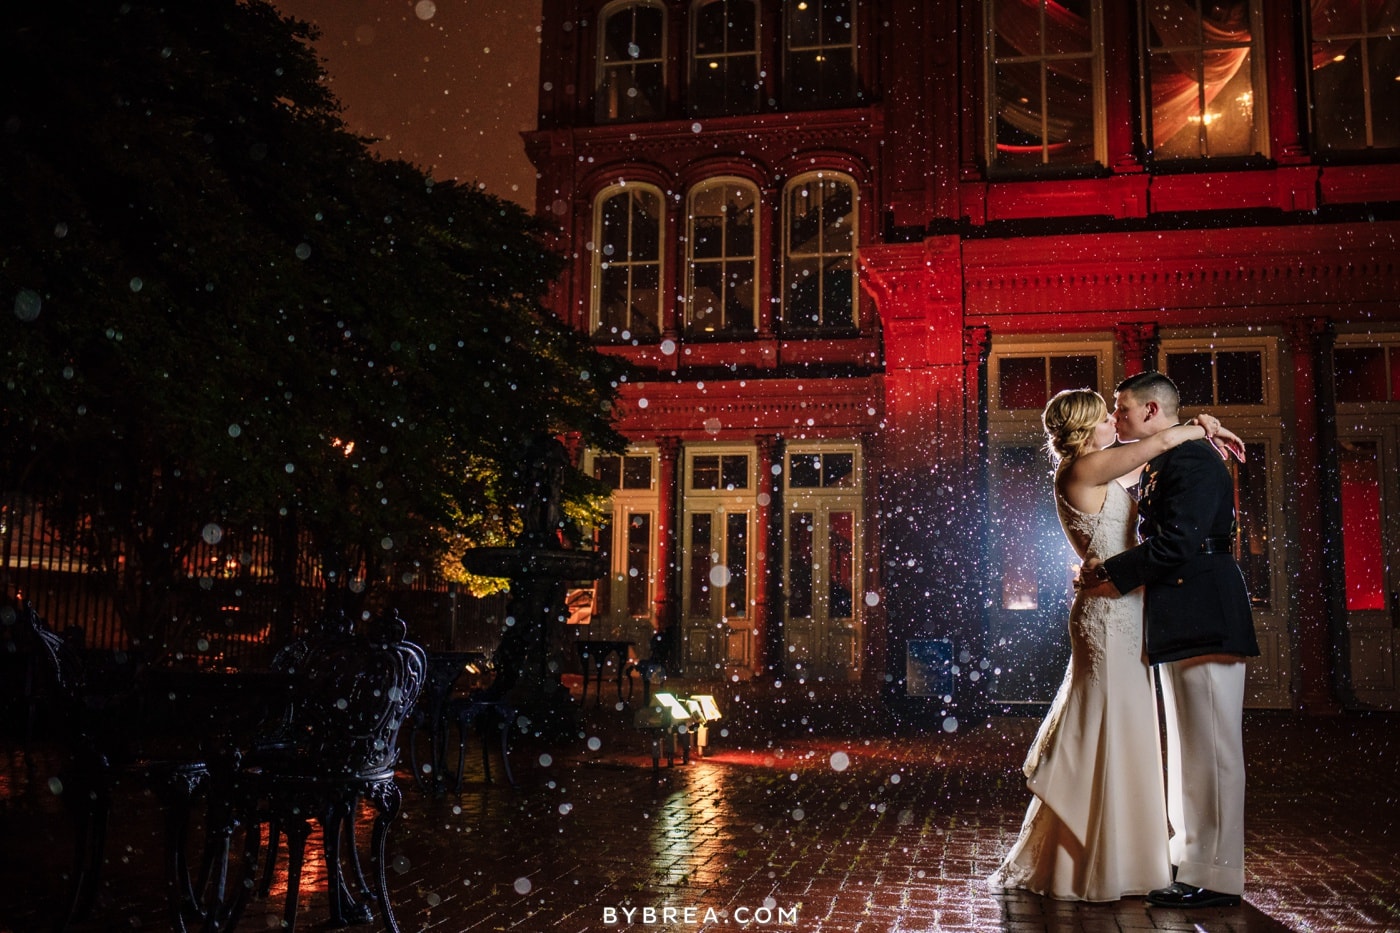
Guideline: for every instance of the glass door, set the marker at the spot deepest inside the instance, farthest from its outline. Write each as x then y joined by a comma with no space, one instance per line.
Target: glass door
1367,460
717,557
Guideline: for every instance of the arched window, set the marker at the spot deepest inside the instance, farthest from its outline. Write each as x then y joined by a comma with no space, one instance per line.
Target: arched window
819,241
721,280
819,62
1046,73
724,58
627,263
631,63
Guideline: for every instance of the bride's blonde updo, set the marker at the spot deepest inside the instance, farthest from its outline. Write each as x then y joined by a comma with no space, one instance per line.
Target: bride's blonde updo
1070,419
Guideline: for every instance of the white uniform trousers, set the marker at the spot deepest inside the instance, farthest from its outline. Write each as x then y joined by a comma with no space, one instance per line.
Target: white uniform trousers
1204,705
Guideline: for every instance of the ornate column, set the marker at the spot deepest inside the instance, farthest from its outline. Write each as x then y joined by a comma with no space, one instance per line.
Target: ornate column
767,567
1138,344
668,495
1312,584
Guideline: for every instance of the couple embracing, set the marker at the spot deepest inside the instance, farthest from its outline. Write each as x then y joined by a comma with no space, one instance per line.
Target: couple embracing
1159,586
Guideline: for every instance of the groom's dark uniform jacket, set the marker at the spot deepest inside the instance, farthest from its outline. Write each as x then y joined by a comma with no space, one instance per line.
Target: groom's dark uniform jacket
1195,600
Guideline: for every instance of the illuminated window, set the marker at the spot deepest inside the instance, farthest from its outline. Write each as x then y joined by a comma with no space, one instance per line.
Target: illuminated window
1027,382
1363,547
631,63
1046,74
719,471
1218,377
1356,74
722,289
724,75
1200,78
819,67
627,264
819,270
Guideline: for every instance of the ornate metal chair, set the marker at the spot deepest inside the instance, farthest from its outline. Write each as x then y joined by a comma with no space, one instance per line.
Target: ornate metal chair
351,702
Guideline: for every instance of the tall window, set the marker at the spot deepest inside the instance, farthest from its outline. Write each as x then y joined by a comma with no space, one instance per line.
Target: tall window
819,272
627,263
1356,74
1046,74
724,75
819,68
631,63
721,289
1200,76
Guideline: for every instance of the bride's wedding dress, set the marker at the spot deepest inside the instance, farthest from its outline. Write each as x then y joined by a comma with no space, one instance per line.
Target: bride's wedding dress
1096,829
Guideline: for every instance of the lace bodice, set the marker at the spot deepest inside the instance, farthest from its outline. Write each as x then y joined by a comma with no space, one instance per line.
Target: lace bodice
1111,530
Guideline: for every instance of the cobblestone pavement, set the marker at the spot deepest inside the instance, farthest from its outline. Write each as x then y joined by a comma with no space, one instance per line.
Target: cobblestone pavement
808,815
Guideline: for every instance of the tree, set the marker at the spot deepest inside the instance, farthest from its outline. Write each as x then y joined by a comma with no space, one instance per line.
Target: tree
227,313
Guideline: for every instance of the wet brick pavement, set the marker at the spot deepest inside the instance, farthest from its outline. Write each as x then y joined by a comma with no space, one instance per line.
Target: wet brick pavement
808,815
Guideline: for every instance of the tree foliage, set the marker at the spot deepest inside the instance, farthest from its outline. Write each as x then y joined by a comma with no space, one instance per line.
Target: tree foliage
224,309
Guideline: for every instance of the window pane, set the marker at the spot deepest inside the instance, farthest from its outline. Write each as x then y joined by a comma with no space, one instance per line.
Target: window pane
1239,378
704,472
736,550
819,269
1202,84
701,547
636,473
612,300
645,242
1021,382
639,565
607,470
819,61
799,542
838,470
1363,553
1355,61
631,80
735,471
1073,372
1252,488
1194,378
1044,79
724,61
840,564
646,296
1360,374
804,471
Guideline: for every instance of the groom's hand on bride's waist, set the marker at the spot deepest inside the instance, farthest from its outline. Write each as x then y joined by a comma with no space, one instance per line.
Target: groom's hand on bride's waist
1093,576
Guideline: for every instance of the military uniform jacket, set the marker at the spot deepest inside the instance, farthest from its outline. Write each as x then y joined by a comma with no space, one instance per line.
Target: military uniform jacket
1194,599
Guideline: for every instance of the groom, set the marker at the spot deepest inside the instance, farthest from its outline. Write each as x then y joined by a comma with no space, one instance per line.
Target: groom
1198,630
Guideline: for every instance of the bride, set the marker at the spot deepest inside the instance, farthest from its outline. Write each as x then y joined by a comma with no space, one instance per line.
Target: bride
1096,827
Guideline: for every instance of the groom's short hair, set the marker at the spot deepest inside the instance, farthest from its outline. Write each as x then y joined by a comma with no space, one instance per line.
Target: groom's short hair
1155,386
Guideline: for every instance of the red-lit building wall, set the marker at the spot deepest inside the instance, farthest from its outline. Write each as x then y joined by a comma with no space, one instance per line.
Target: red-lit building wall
994,250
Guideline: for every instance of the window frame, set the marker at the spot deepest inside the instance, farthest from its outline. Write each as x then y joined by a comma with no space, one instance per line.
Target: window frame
722,61
1098,99
1257,64
600,263
606,69
821,328
823,98
723,261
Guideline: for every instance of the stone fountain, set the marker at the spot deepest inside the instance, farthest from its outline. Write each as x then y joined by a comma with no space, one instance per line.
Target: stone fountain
540,569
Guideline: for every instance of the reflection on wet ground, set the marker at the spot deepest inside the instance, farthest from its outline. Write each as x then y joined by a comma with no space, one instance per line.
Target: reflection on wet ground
783,826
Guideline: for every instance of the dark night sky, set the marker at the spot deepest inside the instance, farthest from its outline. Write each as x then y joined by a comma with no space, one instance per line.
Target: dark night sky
445,84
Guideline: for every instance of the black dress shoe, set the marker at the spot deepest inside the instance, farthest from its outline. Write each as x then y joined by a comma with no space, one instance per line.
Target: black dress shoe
1185,895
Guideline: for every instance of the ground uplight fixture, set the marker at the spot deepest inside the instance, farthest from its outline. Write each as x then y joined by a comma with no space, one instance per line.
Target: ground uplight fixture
703,710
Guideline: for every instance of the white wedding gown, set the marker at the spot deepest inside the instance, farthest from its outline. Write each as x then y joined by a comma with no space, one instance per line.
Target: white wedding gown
1096,829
